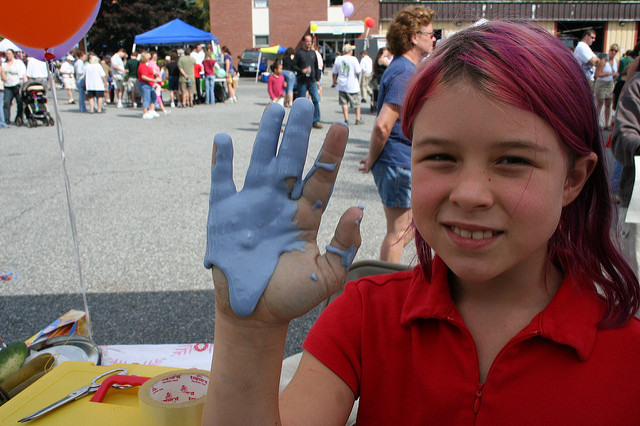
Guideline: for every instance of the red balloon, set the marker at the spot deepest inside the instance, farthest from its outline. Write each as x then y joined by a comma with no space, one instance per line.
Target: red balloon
43,23
369,22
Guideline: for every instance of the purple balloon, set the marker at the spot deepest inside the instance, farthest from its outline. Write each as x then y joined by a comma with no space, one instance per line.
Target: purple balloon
347,8
60,51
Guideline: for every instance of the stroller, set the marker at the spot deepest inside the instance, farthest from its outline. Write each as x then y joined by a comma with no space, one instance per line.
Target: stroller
33,96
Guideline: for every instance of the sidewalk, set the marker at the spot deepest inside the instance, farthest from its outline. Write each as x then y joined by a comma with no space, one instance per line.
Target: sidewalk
140,194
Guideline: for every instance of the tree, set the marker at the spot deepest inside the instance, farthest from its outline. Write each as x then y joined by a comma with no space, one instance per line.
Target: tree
119,21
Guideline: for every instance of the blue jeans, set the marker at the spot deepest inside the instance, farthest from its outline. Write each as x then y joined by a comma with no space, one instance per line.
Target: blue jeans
615,176
393,183
11,93
290,78
2,123
312,88
209,93
81,92
148,94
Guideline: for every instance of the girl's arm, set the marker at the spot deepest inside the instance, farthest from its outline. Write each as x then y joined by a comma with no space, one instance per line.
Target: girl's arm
248,351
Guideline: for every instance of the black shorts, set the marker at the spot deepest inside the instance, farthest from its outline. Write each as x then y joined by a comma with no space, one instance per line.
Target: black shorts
173,83
95,94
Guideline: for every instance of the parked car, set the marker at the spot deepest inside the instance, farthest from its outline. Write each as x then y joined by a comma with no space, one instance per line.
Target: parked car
569,41
248,63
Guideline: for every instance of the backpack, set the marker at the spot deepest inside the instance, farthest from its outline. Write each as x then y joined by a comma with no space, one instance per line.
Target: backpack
220,92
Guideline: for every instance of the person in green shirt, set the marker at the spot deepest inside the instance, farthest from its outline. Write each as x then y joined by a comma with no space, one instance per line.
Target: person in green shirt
186,87
131,67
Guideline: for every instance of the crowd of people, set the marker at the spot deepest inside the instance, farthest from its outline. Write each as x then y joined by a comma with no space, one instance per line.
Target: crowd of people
190,77
140,79
606,75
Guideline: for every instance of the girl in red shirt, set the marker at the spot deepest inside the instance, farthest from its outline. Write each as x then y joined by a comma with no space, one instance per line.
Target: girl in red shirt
276,83
524,316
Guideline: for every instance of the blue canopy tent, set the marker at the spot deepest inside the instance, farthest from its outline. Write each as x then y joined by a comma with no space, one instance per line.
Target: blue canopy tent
174,33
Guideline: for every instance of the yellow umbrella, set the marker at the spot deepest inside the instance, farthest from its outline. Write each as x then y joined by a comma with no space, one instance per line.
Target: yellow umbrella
270,53
276,50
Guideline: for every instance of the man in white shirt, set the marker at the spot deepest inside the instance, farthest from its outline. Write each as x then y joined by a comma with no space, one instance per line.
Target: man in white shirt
585,56
198,54
37,70
118,72
365,78
346,70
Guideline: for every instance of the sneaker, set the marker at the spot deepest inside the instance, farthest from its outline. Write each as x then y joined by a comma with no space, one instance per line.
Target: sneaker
154,114
147,116
359,122
71,101
135,105
317,126
167,112
173,105
119,104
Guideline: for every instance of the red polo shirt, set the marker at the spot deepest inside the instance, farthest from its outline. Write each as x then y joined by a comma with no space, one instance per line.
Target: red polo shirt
401,345
144,69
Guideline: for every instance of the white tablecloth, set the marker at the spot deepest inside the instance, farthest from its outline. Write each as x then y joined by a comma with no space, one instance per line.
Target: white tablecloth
191,355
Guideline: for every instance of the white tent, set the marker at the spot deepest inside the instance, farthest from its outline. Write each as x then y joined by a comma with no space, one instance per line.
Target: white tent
7,44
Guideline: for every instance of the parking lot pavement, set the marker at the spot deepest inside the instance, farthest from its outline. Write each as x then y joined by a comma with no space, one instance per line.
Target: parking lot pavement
139,190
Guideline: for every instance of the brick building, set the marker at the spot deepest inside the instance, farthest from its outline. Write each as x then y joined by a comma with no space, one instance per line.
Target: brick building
242,24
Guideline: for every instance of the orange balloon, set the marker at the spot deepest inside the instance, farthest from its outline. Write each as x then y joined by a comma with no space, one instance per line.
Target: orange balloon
43,23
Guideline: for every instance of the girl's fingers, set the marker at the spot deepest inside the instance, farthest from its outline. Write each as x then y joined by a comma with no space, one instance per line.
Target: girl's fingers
345,243
295,141
222,184
318,184
265,145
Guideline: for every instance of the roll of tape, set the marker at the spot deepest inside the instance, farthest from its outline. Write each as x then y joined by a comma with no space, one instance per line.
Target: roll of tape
174,398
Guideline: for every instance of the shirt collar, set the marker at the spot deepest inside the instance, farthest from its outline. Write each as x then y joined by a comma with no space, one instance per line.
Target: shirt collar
570,318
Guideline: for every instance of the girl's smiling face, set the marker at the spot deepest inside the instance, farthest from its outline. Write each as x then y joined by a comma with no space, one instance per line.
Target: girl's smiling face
489,182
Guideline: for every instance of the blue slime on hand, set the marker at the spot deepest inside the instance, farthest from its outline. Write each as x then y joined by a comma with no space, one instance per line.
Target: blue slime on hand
297,188
347,255
247,231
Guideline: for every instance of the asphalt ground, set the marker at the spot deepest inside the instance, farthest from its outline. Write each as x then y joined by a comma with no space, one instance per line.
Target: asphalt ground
139,190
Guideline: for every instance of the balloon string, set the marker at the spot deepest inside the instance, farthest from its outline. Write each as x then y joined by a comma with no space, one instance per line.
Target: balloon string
67,186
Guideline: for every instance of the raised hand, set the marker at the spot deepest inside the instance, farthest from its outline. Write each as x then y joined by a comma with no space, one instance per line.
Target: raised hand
266,233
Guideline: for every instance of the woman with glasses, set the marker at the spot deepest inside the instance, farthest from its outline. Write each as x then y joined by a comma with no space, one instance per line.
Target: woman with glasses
410,39
606,73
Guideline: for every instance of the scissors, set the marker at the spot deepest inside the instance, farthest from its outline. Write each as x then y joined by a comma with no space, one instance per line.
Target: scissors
77,394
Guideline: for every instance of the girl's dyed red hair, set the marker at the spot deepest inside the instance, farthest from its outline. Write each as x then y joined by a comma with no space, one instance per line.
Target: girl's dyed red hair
522,65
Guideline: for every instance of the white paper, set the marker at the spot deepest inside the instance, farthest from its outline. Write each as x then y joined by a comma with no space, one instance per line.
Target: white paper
181,356
633,214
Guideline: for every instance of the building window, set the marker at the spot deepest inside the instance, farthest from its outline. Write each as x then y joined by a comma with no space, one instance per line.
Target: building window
260,3
335,2
261,40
